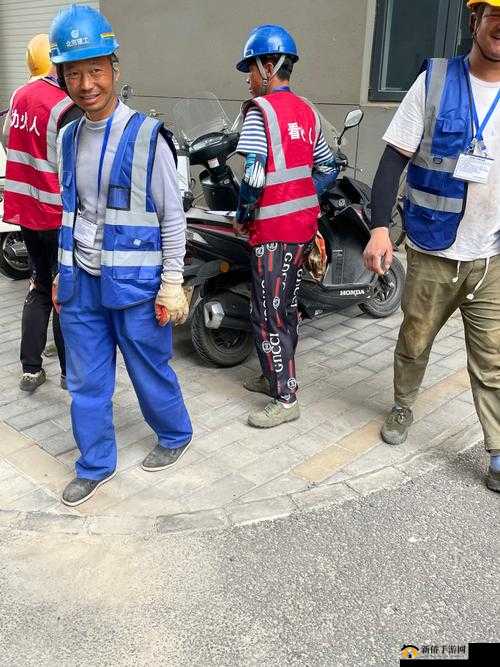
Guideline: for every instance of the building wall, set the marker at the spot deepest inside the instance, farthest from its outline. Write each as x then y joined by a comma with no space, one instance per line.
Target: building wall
20,20
177,49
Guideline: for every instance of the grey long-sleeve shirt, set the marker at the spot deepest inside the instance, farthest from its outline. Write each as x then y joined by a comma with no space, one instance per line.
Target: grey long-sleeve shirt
164,188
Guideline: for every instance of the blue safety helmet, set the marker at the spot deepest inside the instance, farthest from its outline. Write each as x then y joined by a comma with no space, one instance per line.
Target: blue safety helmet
80,32
267,40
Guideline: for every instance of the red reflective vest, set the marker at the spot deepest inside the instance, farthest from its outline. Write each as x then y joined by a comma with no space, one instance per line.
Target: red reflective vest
32,192
288,208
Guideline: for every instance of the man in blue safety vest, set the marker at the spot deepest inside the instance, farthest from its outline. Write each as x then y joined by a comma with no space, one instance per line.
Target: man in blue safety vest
448,129
121,251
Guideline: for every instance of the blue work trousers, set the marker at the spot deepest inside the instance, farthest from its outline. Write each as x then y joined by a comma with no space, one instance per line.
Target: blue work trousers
91,334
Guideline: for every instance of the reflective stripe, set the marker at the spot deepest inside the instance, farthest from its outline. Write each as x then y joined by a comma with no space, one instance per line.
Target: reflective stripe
55,114
65,257
316,117
139,174
434,95
288,175
274,132
292,206
68,218
131,219
445,164
131,258
30,191
434,202
37,163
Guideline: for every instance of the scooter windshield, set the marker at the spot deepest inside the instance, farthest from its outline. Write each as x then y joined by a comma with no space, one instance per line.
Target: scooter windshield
196,117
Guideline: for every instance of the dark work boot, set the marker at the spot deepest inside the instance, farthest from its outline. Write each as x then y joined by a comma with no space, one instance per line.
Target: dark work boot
493,480
161,458
396,425
31,381
81,489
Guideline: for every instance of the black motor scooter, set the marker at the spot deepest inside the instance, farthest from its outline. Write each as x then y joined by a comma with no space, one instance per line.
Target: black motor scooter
217,265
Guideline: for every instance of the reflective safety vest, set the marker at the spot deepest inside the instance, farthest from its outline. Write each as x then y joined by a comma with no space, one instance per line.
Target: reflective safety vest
32,191
435,201
288,208
131,254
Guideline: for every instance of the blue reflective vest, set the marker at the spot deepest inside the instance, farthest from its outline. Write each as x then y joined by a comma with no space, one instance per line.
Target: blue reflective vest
435,201
131,254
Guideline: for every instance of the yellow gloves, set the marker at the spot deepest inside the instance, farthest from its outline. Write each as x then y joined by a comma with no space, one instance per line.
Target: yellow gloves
171,304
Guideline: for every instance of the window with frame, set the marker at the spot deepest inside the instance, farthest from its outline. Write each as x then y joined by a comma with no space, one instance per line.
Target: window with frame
406,33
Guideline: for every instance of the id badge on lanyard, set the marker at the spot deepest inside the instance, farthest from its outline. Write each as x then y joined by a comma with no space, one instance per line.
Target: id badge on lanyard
472,167
84,230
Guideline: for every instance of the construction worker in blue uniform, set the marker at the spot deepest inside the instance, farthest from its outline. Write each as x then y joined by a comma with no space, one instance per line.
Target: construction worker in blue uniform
121,251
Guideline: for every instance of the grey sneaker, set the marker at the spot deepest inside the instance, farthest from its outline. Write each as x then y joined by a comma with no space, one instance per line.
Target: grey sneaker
50,350
31,381
259,384
274,414
80,489
64,384
396,425
493,480
162,457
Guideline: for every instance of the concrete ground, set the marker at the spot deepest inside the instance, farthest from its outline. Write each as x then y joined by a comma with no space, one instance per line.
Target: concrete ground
341,586
232,473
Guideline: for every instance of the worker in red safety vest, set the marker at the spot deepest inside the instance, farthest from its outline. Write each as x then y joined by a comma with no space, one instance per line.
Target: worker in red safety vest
282,141
37,112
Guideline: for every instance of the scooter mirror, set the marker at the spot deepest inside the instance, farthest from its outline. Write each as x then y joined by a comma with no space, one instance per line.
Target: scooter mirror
353,118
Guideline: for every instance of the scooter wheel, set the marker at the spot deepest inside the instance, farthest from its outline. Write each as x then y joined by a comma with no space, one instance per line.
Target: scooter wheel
18,269
219,347
388,292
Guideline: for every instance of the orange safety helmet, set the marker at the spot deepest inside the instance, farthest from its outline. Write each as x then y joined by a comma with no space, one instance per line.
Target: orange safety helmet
37,56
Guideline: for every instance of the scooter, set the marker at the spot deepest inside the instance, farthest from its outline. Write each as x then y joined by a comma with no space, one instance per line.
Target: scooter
14,260
217,265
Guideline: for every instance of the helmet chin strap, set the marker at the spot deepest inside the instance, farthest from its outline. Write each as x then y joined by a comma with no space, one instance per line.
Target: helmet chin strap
265,79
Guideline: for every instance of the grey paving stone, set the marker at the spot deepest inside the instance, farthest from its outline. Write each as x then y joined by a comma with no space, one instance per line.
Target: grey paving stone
380,361
280,486
36,415
220,493
388,478
12,488
6,470
121,525
236,455
10,518
263,510
191,521
375,346
379,456
43,430
53,523
38,500
270,465
58,444
350,376
337,332
132,433
368,333
324,495
343,360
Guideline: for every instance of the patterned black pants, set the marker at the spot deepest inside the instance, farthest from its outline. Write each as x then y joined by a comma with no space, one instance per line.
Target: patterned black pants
276,277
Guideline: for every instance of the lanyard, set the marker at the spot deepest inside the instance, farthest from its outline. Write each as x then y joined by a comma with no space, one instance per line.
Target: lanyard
105,140
281,89
479,127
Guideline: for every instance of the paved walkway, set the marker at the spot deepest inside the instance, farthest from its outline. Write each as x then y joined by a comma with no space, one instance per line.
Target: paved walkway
233,473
